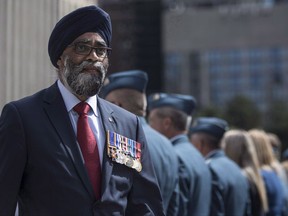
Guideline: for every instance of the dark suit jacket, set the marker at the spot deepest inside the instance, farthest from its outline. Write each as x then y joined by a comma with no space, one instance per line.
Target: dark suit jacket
232,185
165,162
42,168
194,179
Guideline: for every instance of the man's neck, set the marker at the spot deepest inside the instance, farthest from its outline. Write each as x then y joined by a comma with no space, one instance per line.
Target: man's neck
209,152
81,98
176,134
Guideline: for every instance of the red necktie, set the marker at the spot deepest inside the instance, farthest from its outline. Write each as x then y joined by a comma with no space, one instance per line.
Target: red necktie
88,147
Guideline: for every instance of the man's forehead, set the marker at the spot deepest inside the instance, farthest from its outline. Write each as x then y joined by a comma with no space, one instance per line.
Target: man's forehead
90,37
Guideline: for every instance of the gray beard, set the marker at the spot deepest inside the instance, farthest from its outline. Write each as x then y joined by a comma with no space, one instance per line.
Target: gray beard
83,84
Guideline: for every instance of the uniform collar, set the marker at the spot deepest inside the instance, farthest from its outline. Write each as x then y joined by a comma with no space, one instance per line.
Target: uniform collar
214,153
178,137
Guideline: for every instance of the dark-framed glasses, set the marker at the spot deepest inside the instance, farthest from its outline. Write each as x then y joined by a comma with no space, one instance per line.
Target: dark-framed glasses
85,49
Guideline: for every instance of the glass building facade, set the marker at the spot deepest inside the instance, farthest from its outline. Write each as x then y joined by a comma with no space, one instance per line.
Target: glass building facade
261,74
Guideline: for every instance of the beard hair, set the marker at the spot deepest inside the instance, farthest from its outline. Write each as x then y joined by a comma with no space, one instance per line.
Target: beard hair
84,84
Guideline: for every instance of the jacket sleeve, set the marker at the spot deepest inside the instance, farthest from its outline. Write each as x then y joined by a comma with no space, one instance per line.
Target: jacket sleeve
184,185
217,206
173,206
144,197
12,158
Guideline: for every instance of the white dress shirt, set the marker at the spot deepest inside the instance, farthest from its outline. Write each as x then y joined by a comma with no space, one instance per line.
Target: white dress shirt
94,118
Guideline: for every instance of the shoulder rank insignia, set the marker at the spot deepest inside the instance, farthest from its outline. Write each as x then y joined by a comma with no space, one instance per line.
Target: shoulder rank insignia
124,150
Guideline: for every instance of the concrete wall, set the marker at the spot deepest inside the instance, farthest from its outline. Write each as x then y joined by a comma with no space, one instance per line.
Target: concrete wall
187,31
25,29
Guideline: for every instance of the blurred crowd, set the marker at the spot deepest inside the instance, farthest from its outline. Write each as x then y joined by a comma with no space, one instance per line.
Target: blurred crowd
203,166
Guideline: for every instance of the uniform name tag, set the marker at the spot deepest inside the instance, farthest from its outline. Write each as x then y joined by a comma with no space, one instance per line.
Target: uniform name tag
124,150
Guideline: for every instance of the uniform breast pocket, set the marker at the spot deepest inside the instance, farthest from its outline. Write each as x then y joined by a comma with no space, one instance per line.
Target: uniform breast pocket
120,182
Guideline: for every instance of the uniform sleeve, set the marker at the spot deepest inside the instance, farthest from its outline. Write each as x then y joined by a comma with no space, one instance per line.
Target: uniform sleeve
12,158
217,205
184,185
144,197
173,206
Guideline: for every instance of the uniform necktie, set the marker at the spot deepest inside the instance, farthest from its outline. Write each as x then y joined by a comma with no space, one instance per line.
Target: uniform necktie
88,147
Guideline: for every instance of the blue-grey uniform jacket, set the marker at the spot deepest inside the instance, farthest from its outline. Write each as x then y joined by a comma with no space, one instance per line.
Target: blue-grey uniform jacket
166,167
194,179
229,186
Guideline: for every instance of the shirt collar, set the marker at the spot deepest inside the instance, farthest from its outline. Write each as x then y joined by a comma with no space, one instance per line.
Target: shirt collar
211,153
71,100
173,139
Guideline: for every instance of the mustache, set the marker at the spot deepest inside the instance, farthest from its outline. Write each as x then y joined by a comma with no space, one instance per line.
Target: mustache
80,82
90,65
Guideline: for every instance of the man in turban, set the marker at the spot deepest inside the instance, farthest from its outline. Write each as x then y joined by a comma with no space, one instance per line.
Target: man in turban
64,150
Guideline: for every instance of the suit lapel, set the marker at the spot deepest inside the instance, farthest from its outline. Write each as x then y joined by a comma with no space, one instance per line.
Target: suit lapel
109,123
59,118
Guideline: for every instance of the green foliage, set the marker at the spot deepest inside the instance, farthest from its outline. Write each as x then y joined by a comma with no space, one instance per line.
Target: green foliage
241,112
276,121
277,117
209,112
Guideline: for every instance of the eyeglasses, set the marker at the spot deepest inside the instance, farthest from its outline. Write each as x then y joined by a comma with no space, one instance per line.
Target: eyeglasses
85,49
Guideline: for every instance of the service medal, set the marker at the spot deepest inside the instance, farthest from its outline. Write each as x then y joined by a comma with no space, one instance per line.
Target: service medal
124,150
129,162
137,165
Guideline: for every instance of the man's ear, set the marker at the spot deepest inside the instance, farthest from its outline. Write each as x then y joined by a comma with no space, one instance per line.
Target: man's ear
201,144
60,63
204,147
167,122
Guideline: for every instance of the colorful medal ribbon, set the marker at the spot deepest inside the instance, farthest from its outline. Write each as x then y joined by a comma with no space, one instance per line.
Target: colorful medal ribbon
124,150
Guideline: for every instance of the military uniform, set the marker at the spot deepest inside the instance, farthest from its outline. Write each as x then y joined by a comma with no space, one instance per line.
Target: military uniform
194,175
165,163
195,178
163,157
229,185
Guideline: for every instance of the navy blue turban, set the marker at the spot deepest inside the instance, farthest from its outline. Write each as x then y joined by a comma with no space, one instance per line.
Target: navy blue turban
76,23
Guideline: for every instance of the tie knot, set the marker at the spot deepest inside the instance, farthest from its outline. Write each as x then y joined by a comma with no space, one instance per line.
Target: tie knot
82,108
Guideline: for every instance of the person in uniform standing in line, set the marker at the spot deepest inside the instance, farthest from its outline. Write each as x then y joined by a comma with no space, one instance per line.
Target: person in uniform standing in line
127,90
170,114
64,150
229,186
